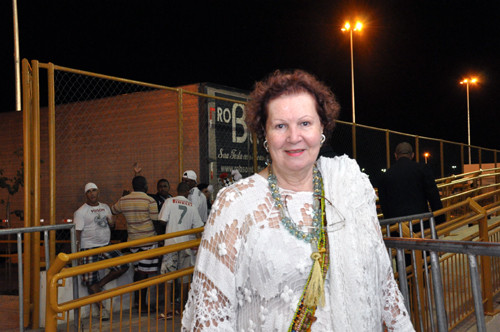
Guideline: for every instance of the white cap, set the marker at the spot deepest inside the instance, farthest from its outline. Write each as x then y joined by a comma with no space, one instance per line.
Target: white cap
191,175
236,175
210,189
89,186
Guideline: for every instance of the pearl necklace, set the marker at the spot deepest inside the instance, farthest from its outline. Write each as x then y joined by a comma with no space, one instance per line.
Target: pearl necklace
292,227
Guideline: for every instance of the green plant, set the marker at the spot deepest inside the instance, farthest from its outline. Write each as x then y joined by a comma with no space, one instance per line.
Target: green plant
12,186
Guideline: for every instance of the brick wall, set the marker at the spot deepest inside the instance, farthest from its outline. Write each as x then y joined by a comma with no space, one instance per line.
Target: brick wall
100,140
11,139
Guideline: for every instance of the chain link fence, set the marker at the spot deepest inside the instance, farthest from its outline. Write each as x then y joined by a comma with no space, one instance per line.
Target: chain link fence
106,125
375,151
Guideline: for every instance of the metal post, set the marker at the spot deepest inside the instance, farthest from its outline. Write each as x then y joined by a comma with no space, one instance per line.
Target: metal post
20,280
416,265
52,159
437,283
354,150
403,283
468,121
387,151
17,63
76,293
476,293
441,157
35,260
46,241
28,177
352,80
180,122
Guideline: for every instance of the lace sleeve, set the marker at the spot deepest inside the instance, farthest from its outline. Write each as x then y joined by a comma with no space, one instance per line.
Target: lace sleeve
212,299
207,308
394,313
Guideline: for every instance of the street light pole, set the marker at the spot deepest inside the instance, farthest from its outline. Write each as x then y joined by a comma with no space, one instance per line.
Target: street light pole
357,27
467,81
352,80
468,122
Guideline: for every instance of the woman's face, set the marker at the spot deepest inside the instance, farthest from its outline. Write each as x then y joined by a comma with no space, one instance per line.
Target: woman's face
293,132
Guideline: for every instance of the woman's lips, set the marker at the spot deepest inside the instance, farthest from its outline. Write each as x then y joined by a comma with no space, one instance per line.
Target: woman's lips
294,153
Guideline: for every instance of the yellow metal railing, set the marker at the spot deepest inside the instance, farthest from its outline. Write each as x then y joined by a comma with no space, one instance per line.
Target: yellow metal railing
458,300
58,273
455,271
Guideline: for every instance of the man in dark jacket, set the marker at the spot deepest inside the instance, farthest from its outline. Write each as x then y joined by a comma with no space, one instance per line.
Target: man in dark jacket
408,188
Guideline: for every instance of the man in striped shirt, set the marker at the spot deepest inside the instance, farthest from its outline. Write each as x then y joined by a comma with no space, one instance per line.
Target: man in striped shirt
139,210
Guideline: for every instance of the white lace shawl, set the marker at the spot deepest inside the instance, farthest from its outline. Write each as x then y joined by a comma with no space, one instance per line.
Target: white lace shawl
250,271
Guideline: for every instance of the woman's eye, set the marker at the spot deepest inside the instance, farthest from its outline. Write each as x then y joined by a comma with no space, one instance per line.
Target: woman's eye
306,123
280,126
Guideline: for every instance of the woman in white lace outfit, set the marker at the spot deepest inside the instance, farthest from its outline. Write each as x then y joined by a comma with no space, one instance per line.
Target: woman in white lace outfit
298,245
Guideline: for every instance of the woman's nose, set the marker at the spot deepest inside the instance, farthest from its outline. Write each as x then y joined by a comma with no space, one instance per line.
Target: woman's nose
293,135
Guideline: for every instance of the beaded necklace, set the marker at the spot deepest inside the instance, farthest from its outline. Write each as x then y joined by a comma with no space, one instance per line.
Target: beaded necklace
313,292
287,222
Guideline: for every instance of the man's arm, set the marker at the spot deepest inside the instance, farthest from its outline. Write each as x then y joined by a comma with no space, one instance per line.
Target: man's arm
432,194
137,169
111,221
202,207
163,214
431,191
115,209
197,222
79,222
78,240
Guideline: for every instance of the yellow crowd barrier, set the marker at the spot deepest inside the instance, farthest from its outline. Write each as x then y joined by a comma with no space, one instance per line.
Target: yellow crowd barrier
58,273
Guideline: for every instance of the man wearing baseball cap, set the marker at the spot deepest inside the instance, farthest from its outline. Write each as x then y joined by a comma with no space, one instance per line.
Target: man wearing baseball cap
92,223
195,195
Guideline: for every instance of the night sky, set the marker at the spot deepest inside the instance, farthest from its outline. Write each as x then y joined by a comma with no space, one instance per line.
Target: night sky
408,60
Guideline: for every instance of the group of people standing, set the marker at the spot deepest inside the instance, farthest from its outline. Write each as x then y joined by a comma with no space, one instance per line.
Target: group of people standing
146,215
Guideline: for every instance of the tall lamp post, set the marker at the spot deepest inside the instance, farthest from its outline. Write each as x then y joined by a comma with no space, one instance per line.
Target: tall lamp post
467,82
347,28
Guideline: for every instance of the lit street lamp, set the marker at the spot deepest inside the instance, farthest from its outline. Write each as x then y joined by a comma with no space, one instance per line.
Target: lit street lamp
467,82
357,27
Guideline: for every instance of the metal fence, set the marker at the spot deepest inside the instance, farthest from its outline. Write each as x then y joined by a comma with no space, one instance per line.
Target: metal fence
434,309
375,147
77,314
104,125
443,291
24,272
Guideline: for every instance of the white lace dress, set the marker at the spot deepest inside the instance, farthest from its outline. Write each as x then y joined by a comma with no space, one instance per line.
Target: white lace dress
250,271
